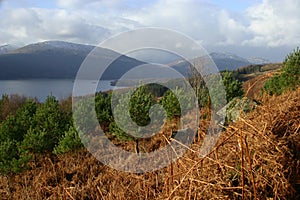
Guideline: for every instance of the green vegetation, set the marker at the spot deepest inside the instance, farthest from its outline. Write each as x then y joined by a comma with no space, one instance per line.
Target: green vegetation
69,141
33,128
288,78
171,103
258,156
140,103
228,82
29,128
233,87
12,132
250,69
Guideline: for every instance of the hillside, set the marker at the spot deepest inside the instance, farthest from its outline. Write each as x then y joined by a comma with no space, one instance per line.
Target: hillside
61,60
251,71
57,60
6,49
255,76
228,61
223,61
255,158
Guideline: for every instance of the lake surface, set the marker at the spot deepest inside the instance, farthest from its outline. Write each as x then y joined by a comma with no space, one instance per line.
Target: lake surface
41,88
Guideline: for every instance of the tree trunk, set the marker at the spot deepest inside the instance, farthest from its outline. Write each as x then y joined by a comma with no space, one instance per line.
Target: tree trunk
137,146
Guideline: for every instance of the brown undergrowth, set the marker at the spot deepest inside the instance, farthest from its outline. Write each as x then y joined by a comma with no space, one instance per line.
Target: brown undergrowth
257,157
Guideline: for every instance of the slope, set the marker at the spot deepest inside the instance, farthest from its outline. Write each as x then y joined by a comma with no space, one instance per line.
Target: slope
58,60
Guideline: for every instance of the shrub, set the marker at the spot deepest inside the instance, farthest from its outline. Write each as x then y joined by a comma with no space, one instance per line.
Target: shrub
214,97
103,107
36,141
8,151
46,128
10,104
12,159
140,103
69,141
34,128
16,126
84,115
171,103
119,133
289,77
233,87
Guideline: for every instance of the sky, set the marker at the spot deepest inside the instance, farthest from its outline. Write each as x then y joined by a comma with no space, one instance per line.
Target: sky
248,28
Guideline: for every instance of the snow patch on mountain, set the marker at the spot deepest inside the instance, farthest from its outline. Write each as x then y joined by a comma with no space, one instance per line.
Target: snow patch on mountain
258,60
6,48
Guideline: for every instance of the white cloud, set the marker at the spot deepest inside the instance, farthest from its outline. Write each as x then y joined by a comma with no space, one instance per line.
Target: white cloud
36,24
79,4
269,24
231,30
194,18
274,23
261,28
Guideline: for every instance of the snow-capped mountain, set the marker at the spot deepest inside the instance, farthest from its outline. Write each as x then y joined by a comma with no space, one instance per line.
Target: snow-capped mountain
6,48
54,46
258,60
228,61
222,60
59,60
226,55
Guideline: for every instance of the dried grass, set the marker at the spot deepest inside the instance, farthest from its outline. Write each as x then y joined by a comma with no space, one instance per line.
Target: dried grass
258,157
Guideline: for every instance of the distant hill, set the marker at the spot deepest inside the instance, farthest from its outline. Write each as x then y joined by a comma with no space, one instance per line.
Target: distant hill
222,60
253,71
258,60
57,60
6,48
228,61
61,60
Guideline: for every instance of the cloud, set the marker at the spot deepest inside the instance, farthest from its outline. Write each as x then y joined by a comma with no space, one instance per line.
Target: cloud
194,18
79,4
266,24
84,22
72,3
270,23
274,23
69,26
35,24
232,29
256,31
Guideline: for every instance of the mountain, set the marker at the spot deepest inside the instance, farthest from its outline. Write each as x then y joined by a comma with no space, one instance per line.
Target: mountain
6,48
51,46
228,61
222,60
61,60
58,60
258,60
